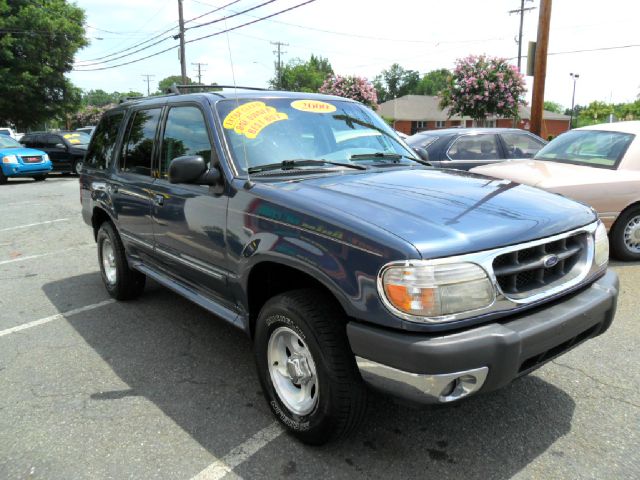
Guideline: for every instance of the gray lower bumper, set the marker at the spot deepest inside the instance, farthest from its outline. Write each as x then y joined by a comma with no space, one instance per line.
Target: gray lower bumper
446,367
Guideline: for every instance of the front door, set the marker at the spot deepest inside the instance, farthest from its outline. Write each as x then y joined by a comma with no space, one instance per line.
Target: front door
130,185
190,220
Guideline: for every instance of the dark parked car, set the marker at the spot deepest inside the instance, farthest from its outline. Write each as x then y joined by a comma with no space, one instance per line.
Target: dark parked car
65,149
465,148
303,220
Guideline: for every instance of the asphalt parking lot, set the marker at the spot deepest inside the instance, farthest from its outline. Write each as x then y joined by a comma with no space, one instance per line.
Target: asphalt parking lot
158,388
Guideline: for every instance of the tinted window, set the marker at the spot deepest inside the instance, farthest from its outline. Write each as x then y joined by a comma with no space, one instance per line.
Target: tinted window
50,141
588,147
474,147
103,142
185,134
521,145
28,140
138,147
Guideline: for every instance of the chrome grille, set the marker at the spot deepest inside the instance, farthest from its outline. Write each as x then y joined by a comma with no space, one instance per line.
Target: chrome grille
31,159
522,273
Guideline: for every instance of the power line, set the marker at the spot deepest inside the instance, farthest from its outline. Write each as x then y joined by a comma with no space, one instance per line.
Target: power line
197,39
587,50
95,61
227,17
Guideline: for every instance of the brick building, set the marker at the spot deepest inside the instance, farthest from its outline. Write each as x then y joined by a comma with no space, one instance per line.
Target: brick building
414,113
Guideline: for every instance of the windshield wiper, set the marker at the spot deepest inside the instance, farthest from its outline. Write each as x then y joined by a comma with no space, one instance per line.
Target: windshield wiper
394,157
293,164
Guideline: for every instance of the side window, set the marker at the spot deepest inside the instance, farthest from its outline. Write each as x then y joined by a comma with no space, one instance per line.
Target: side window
474,147
103,142
50,141
138,146
185,134
521,145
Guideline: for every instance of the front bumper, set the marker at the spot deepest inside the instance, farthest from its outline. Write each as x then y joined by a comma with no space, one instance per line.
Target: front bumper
25,169
442,368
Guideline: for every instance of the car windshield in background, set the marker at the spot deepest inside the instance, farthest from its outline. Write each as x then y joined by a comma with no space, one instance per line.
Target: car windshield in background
77,138
594,148
271,131
8,142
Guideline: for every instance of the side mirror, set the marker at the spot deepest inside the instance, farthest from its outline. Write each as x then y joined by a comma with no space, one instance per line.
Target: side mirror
422,153
61,146
192,169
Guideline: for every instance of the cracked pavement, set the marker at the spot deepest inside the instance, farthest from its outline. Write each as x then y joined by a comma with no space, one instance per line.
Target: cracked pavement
159,388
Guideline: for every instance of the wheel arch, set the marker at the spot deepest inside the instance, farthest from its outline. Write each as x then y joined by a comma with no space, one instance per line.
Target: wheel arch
270,277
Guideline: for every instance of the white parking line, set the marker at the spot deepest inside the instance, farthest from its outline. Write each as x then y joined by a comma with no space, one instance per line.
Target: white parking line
58,316
48,254
34,224
240,454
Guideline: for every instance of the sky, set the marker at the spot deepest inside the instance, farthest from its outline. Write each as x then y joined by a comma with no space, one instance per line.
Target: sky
363,37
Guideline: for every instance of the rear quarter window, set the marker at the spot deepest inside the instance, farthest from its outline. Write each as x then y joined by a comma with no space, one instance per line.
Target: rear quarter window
103,142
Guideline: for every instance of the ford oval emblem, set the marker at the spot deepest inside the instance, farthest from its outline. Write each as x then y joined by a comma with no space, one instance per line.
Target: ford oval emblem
550,261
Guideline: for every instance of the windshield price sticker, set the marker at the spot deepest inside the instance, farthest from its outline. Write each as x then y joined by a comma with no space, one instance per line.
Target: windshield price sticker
249,119
313,106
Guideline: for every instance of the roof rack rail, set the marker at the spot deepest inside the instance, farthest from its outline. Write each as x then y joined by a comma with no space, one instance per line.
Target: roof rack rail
179,89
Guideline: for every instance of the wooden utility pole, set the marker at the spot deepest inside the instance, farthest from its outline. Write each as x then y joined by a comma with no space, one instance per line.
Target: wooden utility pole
279,52
148,80
544,21
521,11
183,59
199,65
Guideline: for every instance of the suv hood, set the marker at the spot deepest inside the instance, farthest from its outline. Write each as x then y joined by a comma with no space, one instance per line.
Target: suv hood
442,212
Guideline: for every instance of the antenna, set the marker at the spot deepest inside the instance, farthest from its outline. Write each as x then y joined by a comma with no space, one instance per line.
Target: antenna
248,184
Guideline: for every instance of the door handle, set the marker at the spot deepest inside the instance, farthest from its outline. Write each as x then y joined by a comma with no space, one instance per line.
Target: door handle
158,200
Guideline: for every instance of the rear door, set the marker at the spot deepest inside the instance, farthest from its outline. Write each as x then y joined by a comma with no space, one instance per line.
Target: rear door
130,184
56,148
468,151
190,220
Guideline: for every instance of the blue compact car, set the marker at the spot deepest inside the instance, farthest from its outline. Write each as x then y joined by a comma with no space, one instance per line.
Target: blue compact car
17,161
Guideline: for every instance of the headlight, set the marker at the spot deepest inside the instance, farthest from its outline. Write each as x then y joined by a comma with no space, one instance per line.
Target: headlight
601,241
436,290
45,158
9,159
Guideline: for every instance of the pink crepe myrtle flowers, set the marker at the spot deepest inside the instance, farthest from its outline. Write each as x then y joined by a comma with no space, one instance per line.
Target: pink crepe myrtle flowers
483,86
351,86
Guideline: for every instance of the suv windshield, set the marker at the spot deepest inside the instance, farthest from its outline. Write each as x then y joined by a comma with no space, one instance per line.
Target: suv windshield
594,148
8,142
270,131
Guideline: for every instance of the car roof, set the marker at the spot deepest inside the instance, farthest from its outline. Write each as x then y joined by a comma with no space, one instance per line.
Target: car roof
632,126
226,94
470,130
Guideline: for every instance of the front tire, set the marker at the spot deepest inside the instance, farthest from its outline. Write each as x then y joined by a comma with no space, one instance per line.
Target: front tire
122,282
306,367
3,177
625,235
40,178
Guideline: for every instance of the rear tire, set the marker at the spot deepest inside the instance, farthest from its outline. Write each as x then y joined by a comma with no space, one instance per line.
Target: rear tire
625,235
40,178
122,282
305,365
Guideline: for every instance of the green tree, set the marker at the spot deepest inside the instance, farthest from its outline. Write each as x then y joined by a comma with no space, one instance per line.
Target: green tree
38,41
300,76
433,82
554,107
165,83
595,112
396,82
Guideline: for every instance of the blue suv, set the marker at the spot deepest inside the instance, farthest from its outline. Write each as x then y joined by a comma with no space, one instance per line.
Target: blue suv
305,221
17,161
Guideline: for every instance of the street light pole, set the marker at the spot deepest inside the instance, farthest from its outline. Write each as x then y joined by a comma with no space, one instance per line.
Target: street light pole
575,76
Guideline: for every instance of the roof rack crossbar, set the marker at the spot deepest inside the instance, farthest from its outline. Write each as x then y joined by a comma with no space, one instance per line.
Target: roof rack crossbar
177,88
